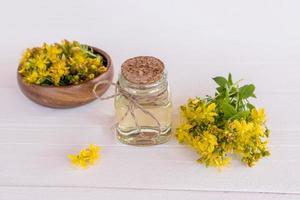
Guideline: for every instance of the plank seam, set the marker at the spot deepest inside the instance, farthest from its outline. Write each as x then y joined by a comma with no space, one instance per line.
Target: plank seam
152,189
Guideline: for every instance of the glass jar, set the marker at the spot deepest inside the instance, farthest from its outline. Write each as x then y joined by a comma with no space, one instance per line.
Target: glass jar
143,109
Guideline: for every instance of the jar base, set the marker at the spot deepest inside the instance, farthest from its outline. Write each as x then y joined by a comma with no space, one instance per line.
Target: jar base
144,138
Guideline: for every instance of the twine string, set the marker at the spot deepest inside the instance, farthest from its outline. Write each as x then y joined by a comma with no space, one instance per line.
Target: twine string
132,105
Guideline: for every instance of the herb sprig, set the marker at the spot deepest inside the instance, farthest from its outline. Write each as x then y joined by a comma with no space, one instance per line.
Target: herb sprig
225,124
232,99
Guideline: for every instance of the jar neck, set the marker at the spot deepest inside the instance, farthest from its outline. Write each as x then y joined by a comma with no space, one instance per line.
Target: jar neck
152,89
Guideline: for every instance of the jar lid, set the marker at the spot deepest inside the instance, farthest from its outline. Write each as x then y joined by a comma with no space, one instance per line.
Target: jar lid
143,69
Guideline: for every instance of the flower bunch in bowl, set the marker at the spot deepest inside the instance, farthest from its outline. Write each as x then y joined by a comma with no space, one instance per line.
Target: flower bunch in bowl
67,63
63,74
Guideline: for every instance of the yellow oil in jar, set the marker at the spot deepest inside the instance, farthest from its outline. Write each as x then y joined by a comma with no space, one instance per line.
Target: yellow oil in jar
127,130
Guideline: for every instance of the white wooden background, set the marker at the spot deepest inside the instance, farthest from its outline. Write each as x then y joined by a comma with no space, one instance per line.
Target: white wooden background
258,40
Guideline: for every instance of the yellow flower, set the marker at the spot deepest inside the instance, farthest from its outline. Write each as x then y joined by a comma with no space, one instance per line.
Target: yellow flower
40,61
32,77
182,132
26,55
199,111
86,157
57,71
53,51
242,126
102,69
79,57
251,140
206,146
95,61
207,143
258,115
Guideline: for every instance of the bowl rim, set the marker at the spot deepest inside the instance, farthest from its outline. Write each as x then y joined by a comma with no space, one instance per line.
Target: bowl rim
95,49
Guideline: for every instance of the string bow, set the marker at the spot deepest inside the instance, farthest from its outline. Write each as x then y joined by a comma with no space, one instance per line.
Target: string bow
132,105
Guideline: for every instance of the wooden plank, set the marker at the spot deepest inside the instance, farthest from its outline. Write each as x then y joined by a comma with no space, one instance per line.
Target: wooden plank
282,111
57,193
282,80
38,125
172,168
102,136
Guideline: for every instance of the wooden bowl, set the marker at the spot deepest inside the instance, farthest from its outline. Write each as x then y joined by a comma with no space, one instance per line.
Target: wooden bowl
71,95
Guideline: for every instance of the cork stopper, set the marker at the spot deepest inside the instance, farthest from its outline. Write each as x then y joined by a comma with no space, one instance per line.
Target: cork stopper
142,70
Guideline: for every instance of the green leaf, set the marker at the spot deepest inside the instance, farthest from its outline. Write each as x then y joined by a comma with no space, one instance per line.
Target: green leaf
221,81
250,106
228,110
230,79
220,89
233,91
242,114
247,91
226,100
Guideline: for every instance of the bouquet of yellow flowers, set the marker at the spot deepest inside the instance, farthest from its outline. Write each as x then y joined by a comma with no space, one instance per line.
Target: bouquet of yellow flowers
68,63
225,124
